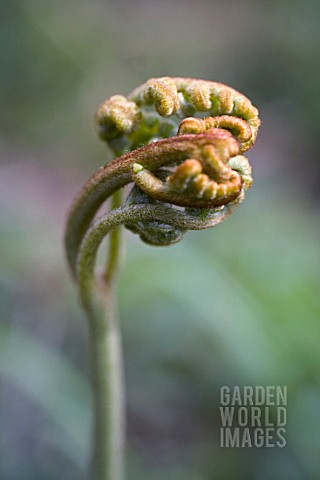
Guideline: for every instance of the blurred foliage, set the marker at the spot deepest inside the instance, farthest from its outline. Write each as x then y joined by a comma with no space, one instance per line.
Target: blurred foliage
236,305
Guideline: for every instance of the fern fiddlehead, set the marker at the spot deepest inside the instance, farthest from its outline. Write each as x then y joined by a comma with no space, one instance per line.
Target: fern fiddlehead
180,143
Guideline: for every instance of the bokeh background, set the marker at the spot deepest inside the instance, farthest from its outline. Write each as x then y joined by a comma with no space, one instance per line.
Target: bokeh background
236,305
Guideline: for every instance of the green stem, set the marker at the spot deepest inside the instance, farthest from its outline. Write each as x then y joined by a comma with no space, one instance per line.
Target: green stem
107,373
114,245
108,392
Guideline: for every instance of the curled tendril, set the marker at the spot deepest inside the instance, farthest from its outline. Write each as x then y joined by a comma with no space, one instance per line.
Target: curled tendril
180,143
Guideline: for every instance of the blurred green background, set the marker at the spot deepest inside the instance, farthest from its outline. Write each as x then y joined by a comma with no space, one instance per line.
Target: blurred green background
236,305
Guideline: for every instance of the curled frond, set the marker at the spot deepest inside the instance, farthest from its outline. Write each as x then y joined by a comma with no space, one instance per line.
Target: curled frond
156,109
180,142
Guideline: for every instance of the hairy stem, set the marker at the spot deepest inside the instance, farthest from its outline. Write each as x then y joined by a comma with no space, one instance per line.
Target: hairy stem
90,295
105,340
107,372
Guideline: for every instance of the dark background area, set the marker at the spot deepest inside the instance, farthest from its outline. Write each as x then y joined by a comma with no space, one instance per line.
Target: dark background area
236,305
